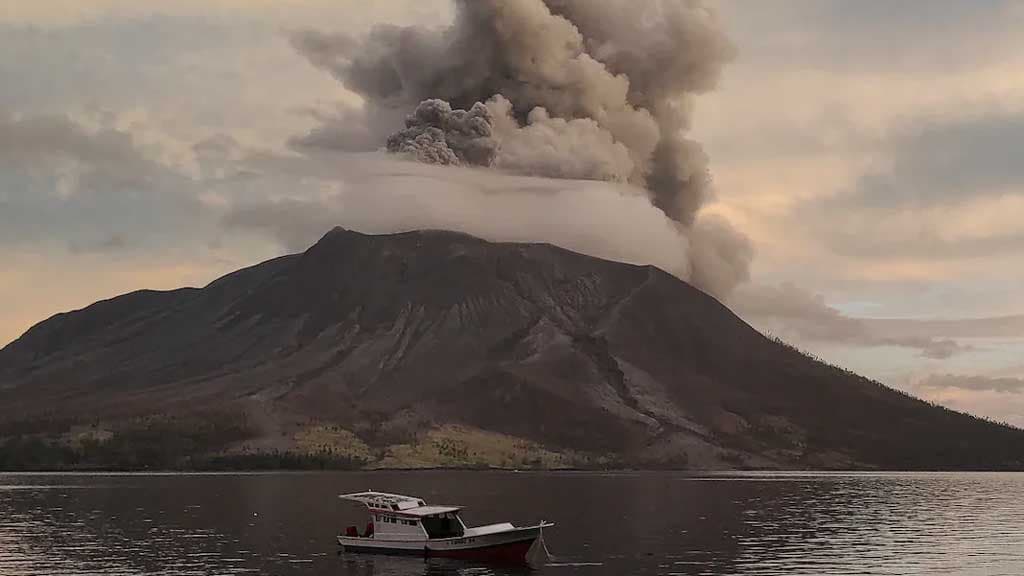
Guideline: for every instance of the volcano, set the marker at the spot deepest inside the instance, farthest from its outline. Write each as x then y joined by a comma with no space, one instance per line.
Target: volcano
433,348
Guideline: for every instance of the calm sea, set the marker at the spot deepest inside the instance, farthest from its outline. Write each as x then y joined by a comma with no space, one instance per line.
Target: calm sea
617,523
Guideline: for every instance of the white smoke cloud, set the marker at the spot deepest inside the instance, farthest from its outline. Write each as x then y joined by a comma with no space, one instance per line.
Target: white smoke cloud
377,194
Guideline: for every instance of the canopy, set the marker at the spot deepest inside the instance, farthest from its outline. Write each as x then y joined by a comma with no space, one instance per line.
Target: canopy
407,505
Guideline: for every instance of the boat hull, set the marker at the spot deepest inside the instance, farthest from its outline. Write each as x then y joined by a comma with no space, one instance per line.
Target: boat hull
512,546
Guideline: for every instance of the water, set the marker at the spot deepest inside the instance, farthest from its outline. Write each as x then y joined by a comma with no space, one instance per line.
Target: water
608,524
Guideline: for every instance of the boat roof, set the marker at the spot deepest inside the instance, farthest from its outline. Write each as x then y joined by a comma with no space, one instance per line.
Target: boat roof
397,503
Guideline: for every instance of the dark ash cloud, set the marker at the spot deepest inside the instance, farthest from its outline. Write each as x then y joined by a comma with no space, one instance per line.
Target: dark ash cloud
436,134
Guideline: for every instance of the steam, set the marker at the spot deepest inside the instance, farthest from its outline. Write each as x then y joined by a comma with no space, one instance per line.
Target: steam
565,89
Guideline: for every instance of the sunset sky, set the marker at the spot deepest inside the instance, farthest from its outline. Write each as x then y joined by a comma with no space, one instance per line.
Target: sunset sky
871,151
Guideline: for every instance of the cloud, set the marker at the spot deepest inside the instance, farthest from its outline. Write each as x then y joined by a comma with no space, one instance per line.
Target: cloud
993,327
865,37
105,64
350,128
901,34
916,238
64,13
943,161
940,190
179,77
376,194
795,314
996,397
92,190
840,91
975,383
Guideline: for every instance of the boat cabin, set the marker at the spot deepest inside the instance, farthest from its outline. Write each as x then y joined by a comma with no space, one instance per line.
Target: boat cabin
397,517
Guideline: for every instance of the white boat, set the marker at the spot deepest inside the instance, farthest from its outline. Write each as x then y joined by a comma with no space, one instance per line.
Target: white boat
407,525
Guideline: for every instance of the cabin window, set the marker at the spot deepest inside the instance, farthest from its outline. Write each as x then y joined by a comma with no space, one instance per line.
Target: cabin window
442,526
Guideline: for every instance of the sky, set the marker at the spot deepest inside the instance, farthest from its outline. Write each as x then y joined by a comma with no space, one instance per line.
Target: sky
869,151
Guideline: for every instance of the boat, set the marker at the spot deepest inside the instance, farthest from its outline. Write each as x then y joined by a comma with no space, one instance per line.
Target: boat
407,525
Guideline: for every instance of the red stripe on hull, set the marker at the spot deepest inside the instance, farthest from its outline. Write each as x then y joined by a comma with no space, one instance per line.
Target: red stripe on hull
511,552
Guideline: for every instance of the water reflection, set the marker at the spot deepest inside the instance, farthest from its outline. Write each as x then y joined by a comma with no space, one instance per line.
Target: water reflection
370,565
766,524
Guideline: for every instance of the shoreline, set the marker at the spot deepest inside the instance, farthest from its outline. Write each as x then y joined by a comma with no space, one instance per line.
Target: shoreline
688,472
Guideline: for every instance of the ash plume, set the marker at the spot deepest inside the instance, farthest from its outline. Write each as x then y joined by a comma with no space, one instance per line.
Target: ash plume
436,134
573,89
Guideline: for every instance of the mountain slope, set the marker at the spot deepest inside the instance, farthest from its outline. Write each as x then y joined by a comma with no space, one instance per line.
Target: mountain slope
401,349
